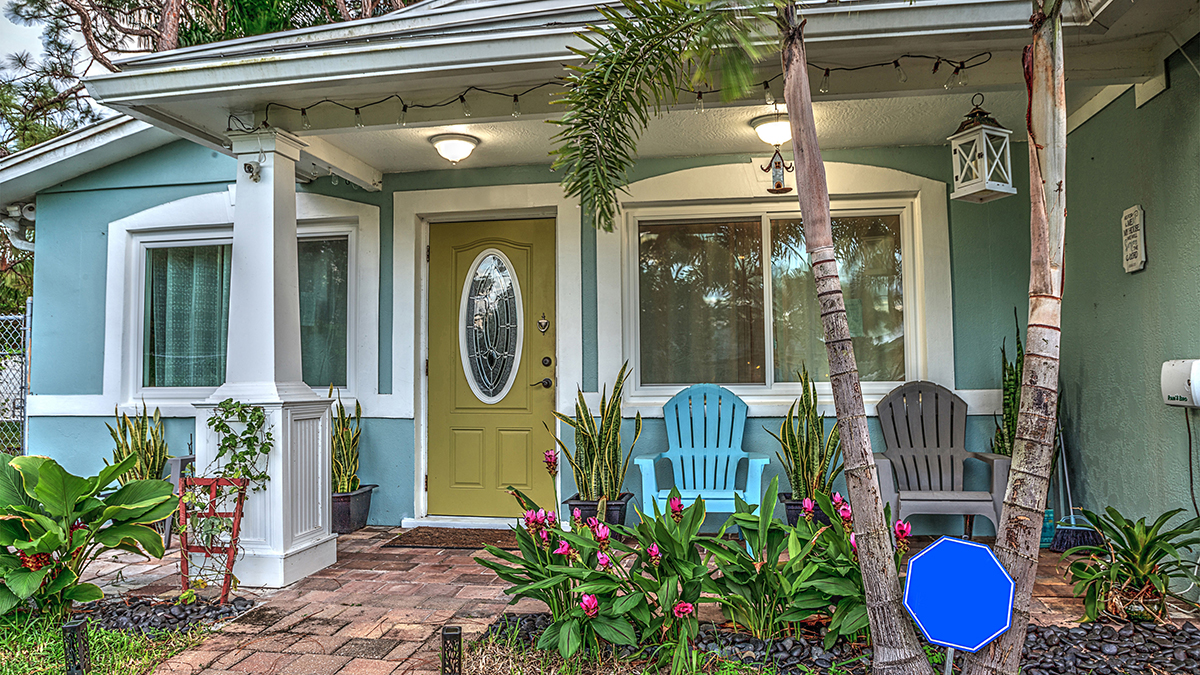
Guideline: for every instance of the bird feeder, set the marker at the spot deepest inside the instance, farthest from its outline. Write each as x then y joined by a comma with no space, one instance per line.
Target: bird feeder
982,162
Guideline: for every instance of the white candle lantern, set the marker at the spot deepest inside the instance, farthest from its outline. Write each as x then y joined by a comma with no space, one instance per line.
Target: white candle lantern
982,164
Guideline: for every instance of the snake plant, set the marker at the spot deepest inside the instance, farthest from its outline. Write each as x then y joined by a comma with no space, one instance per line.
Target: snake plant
1010,379
811,459
598,463
345,434
143,437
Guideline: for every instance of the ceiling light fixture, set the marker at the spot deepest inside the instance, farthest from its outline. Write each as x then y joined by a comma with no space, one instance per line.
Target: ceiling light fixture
454,147
772,129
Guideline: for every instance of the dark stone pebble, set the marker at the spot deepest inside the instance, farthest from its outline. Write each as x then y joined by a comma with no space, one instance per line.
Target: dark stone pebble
146,615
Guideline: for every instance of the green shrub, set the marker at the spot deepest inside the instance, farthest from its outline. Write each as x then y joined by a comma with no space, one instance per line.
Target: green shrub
53,524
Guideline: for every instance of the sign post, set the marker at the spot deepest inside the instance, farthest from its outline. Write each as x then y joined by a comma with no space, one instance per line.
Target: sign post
959,595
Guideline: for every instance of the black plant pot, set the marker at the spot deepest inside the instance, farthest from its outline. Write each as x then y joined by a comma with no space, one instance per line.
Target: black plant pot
350,509
614,513
795,510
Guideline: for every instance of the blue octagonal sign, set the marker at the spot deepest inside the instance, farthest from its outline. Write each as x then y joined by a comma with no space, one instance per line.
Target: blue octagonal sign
959,594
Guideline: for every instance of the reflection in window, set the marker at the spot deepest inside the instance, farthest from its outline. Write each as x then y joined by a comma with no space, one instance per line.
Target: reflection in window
491,322
701,314
869,266
186,316
324,290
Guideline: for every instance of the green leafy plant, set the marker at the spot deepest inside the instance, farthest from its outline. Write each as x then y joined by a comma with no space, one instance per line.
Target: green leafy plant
598,462
345,435
243,440
142,437
811,459
1010,384
54,523
1129,577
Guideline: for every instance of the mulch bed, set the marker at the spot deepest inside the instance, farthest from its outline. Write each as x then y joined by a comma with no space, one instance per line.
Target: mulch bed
462,538
147,615
1089,648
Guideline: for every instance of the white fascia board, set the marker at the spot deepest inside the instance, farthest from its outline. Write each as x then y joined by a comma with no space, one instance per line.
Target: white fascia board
24,174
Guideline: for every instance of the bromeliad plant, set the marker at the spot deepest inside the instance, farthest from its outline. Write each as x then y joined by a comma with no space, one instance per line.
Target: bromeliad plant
143,438
345,434
1130,576
598,462
811,459
54,523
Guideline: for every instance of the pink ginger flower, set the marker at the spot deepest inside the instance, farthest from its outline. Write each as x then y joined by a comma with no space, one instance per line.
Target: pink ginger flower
550,457
577,516
545,537
604,561
655,556
590,605
563,548
903,530
809,507
676,506
853,543
552,520
837,499
844,512
591,523
683,609
601,533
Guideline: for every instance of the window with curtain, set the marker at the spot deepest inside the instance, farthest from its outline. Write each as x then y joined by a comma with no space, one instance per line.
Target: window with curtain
702,311
324,289
186,314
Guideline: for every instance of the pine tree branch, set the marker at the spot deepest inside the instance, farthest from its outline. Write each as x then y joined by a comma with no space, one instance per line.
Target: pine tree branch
87,29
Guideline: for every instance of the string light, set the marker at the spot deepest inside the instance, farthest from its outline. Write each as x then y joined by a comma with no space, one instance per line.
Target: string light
901,76
304,118
466,109
770,98
825,82
952,81
358,121
516,111
402,120
699,102
937,64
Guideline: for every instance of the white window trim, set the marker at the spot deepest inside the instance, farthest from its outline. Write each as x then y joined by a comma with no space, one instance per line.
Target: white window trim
770,392
208,219
727,189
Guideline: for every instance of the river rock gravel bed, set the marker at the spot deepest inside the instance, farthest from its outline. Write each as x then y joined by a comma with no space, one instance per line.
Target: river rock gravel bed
146,615
1089,648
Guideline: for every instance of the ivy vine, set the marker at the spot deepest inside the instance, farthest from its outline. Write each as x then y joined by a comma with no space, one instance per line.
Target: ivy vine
240,453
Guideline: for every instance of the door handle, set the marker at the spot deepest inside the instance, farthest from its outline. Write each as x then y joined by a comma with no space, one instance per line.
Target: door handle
545,382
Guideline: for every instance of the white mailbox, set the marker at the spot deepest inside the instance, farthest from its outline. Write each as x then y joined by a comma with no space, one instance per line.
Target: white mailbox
1181,383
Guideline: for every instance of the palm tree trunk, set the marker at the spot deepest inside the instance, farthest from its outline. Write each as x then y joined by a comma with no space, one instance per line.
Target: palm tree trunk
893,639
1021,520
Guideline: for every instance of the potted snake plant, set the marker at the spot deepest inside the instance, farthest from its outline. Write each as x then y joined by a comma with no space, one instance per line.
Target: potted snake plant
351,500
143,437
598,463
811,459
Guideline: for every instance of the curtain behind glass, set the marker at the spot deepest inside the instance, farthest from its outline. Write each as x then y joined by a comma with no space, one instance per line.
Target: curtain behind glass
324,290
187,316
867,249
701,295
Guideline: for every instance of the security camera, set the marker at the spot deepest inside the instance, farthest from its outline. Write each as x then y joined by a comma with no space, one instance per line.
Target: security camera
254,169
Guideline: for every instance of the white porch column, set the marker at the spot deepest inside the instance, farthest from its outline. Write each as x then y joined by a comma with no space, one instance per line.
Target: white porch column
285,527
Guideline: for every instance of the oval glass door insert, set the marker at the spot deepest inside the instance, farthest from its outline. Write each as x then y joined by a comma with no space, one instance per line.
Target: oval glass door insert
491,319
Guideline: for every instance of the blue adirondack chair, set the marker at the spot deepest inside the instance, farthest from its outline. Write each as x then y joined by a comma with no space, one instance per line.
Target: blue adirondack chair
704,445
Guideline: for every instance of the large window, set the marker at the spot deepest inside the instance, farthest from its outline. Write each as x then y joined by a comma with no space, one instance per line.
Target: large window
732,301
186,314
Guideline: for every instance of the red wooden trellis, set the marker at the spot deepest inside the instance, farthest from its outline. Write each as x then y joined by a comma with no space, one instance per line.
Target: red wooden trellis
211,485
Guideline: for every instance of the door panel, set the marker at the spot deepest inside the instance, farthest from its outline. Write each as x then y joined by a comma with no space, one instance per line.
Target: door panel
485,420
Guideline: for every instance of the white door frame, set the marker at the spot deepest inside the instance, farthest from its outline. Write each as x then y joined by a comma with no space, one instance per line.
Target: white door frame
413,214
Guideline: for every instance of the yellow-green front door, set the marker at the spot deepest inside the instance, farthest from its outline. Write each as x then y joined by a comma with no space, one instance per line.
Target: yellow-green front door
490,353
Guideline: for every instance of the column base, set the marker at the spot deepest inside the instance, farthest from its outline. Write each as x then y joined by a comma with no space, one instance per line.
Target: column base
268,569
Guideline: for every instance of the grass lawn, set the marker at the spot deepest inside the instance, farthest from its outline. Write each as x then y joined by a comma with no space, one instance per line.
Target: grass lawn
35,647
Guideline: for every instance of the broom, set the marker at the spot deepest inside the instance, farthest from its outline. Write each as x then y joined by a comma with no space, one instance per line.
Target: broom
1072,530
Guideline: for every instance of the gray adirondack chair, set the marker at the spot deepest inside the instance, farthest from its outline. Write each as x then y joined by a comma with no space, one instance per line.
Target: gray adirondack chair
704,446
924,428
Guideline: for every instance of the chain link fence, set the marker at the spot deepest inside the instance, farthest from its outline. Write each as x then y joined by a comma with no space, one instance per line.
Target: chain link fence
13,383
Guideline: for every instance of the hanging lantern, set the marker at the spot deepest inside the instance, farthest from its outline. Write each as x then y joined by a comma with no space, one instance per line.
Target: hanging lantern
982,165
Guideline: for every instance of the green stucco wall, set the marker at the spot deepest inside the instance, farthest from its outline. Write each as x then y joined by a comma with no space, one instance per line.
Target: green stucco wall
1128,449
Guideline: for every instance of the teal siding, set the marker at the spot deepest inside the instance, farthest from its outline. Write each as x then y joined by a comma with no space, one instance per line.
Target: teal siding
1129,450
386,454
